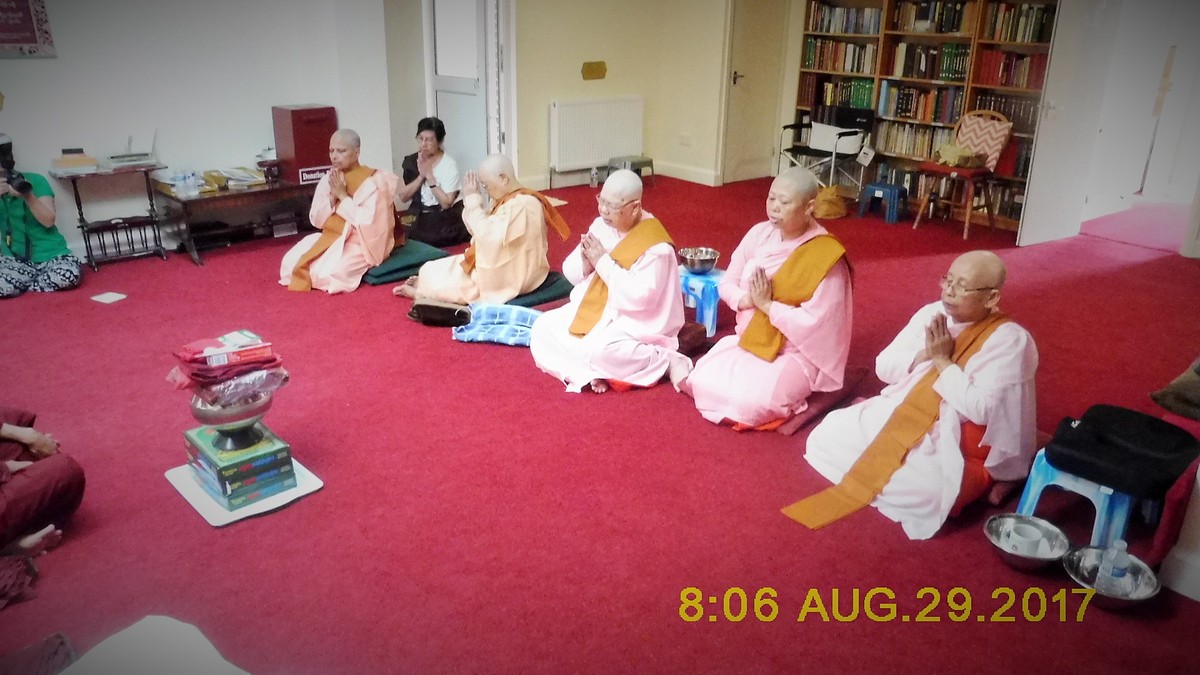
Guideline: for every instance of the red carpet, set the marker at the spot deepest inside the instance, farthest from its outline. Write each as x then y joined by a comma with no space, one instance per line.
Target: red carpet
1160,226
475,518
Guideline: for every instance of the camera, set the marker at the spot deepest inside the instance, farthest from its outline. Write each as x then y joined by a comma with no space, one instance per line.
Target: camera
7,162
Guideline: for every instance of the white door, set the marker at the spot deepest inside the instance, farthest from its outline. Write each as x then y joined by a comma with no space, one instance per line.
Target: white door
464,76
754,80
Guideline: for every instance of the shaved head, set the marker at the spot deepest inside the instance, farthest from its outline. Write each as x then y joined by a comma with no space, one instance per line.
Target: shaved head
496,165
801,182
349,137
971,288
986,268
622,185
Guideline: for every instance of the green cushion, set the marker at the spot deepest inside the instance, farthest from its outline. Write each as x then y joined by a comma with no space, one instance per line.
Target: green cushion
403,263
554,287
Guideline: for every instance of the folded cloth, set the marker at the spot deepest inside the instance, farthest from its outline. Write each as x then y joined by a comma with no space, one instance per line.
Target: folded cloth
49,657
16,579
188,374
502,324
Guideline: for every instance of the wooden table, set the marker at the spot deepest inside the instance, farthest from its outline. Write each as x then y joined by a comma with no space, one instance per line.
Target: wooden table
117,238
291,199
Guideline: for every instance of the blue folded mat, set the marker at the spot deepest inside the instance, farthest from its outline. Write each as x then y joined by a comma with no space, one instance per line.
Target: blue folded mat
404,262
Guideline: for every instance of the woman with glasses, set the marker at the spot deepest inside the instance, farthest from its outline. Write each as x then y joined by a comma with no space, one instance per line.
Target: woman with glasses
960,381
432,184
789,283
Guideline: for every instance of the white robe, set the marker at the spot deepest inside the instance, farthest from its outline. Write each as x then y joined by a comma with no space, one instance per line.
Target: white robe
996,390
635,339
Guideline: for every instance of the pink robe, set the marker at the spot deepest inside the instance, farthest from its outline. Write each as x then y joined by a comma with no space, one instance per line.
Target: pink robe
731,383
995,390
635,338
366,241
510,255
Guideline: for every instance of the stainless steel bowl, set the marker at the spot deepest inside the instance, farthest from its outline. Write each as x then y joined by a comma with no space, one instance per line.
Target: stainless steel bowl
1083,563
699,259
232,417
1051,548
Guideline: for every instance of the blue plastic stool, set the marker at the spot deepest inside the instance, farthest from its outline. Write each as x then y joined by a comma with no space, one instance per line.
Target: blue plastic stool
1112,507
700,291
892,196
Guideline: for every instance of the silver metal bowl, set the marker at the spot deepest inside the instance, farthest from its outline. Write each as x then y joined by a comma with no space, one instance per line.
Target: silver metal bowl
1083,563
232,417
699,259
1051,548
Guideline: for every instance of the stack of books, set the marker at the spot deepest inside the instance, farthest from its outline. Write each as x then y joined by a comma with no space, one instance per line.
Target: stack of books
239,478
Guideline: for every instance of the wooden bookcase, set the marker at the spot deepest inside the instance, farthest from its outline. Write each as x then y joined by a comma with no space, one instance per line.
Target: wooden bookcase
919,65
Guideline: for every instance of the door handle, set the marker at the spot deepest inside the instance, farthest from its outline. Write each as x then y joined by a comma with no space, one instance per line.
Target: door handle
737,76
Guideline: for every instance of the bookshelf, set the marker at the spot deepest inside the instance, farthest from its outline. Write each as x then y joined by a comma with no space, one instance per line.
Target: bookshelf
919,65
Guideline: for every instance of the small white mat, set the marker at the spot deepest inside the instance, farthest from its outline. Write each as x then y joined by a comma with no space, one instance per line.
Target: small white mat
108,298
217,515
555,202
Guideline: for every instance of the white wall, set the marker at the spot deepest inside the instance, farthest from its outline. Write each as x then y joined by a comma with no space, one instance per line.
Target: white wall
668,51
406,74
1175,165
203,74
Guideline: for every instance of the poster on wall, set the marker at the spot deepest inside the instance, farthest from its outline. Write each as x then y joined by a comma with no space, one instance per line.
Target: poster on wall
25,29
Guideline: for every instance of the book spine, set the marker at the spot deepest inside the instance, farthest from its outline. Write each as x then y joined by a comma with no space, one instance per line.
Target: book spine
240,471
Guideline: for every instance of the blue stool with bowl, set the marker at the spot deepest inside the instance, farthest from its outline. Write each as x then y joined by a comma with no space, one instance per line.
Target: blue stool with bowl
698,278
1113,456
892,196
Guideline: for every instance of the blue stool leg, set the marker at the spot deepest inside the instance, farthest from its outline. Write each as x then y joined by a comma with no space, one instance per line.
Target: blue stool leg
1039,478
1112,516
864,201
893,208
706,309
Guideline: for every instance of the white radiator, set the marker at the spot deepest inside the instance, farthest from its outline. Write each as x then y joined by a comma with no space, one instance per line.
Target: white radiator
586,134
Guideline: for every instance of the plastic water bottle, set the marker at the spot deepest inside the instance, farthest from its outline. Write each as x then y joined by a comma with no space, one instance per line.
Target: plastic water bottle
594,180
1113,577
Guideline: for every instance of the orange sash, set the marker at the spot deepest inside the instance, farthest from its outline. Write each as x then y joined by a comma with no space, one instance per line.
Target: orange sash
793,284
334,225
908,424
553,218
645,234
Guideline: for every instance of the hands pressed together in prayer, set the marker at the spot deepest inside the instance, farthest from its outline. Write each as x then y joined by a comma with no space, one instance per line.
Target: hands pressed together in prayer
337,186
592,251
939,344
470,183
761,292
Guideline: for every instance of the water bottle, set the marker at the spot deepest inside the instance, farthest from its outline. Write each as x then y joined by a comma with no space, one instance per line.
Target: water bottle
1113,577
594,180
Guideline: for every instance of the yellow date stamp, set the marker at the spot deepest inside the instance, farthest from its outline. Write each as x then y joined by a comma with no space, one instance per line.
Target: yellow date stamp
881,604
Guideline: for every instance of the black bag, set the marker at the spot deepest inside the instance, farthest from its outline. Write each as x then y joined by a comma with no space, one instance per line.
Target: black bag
443,314
1126,450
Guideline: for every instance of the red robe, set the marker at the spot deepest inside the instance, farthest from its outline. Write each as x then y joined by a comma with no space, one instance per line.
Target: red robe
48,491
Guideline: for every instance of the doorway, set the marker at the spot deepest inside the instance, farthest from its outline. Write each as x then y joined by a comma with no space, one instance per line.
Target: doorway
467,87
754,73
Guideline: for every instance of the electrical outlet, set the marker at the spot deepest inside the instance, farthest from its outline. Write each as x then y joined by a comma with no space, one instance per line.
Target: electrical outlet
685,140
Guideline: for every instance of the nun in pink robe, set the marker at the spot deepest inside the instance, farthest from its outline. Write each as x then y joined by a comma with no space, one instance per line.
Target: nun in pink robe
367,238
730,383
635,340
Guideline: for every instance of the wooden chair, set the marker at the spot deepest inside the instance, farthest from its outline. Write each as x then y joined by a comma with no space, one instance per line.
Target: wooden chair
983,132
